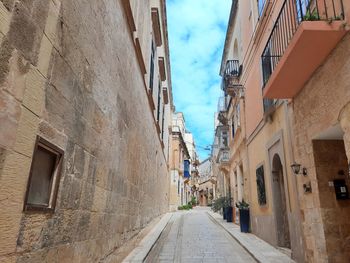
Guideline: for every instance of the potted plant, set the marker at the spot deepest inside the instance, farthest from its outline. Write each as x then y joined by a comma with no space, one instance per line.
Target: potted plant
244,216
311,16
218,204
228,209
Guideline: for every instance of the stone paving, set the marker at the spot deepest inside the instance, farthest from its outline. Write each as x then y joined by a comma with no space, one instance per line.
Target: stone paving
194,236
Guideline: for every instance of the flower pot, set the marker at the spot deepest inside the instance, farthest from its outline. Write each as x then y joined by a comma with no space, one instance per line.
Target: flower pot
229,214
224,213
244,220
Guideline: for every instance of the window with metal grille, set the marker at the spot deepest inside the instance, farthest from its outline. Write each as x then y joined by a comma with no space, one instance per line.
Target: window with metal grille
260,183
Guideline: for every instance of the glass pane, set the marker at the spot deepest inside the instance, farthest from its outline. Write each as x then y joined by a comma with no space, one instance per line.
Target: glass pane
260,182
42,173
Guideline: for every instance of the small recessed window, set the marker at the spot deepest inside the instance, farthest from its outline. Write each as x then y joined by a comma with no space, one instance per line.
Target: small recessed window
44,177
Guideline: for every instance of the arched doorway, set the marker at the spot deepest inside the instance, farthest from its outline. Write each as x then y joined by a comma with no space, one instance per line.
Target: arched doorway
280,204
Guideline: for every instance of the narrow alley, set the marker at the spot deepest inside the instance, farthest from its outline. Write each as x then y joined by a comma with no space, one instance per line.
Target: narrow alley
174,131
196,237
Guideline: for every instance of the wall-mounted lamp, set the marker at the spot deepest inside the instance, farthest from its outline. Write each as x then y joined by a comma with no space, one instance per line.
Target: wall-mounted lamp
296,167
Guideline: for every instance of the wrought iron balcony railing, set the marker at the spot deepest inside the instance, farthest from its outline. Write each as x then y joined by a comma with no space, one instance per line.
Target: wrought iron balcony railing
232,68
230,83
292,14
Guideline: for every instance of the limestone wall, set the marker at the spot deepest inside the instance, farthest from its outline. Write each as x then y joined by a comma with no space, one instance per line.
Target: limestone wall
317,108
69,72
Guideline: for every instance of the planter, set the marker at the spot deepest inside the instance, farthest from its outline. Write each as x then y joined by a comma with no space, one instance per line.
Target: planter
229,214
244,220
224,212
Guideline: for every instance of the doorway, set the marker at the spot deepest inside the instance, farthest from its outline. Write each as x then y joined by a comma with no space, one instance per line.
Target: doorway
280,204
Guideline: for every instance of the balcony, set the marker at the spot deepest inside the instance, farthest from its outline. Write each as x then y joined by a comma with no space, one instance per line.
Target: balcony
231,84
304,34
223,156
223,105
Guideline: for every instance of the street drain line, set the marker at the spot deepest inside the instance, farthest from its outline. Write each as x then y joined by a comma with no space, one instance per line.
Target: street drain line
178,249
157,246
218,224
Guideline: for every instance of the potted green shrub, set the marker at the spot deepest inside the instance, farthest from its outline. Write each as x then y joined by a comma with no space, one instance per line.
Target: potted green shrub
311,16
218,204
244,216
228,209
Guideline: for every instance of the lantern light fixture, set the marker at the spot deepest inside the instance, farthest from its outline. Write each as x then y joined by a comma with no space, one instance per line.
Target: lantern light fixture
297,169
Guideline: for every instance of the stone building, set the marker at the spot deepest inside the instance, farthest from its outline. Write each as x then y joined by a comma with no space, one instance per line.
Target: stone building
206,183
85,111
285,74
220,152
179,163
194,162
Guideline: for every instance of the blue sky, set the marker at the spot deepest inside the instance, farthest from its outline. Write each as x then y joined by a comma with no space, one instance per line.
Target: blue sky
197,30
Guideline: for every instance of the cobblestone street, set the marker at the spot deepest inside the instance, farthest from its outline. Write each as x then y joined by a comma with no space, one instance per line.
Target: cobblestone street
195,237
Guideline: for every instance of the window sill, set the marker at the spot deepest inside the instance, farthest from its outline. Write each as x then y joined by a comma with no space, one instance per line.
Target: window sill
38,208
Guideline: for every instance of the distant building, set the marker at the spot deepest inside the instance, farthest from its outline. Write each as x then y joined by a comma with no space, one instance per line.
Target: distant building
206,183
183,163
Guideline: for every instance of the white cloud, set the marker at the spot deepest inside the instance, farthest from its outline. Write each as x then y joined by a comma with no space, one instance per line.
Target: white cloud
197,31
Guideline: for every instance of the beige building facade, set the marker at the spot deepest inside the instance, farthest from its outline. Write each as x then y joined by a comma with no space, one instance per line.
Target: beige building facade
182,154
206,183
285,72
83,85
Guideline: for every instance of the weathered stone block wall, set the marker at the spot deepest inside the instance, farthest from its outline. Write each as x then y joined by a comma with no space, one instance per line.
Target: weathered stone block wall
317,108
330,158
69,73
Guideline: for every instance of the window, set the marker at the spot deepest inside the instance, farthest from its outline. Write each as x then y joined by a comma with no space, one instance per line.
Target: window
233,127
44,177
158,103
260,183
238,115
224,139
151,72
266,66
163,122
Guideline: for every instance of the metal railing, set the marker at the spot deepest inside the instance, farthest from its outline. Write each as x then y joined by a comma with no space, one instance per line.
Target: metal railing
232,68
231,74
292,14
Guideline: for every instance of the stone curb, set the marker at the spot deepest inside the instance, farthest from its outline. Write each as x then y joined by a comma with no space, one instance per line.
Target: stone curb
142,250
260,250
